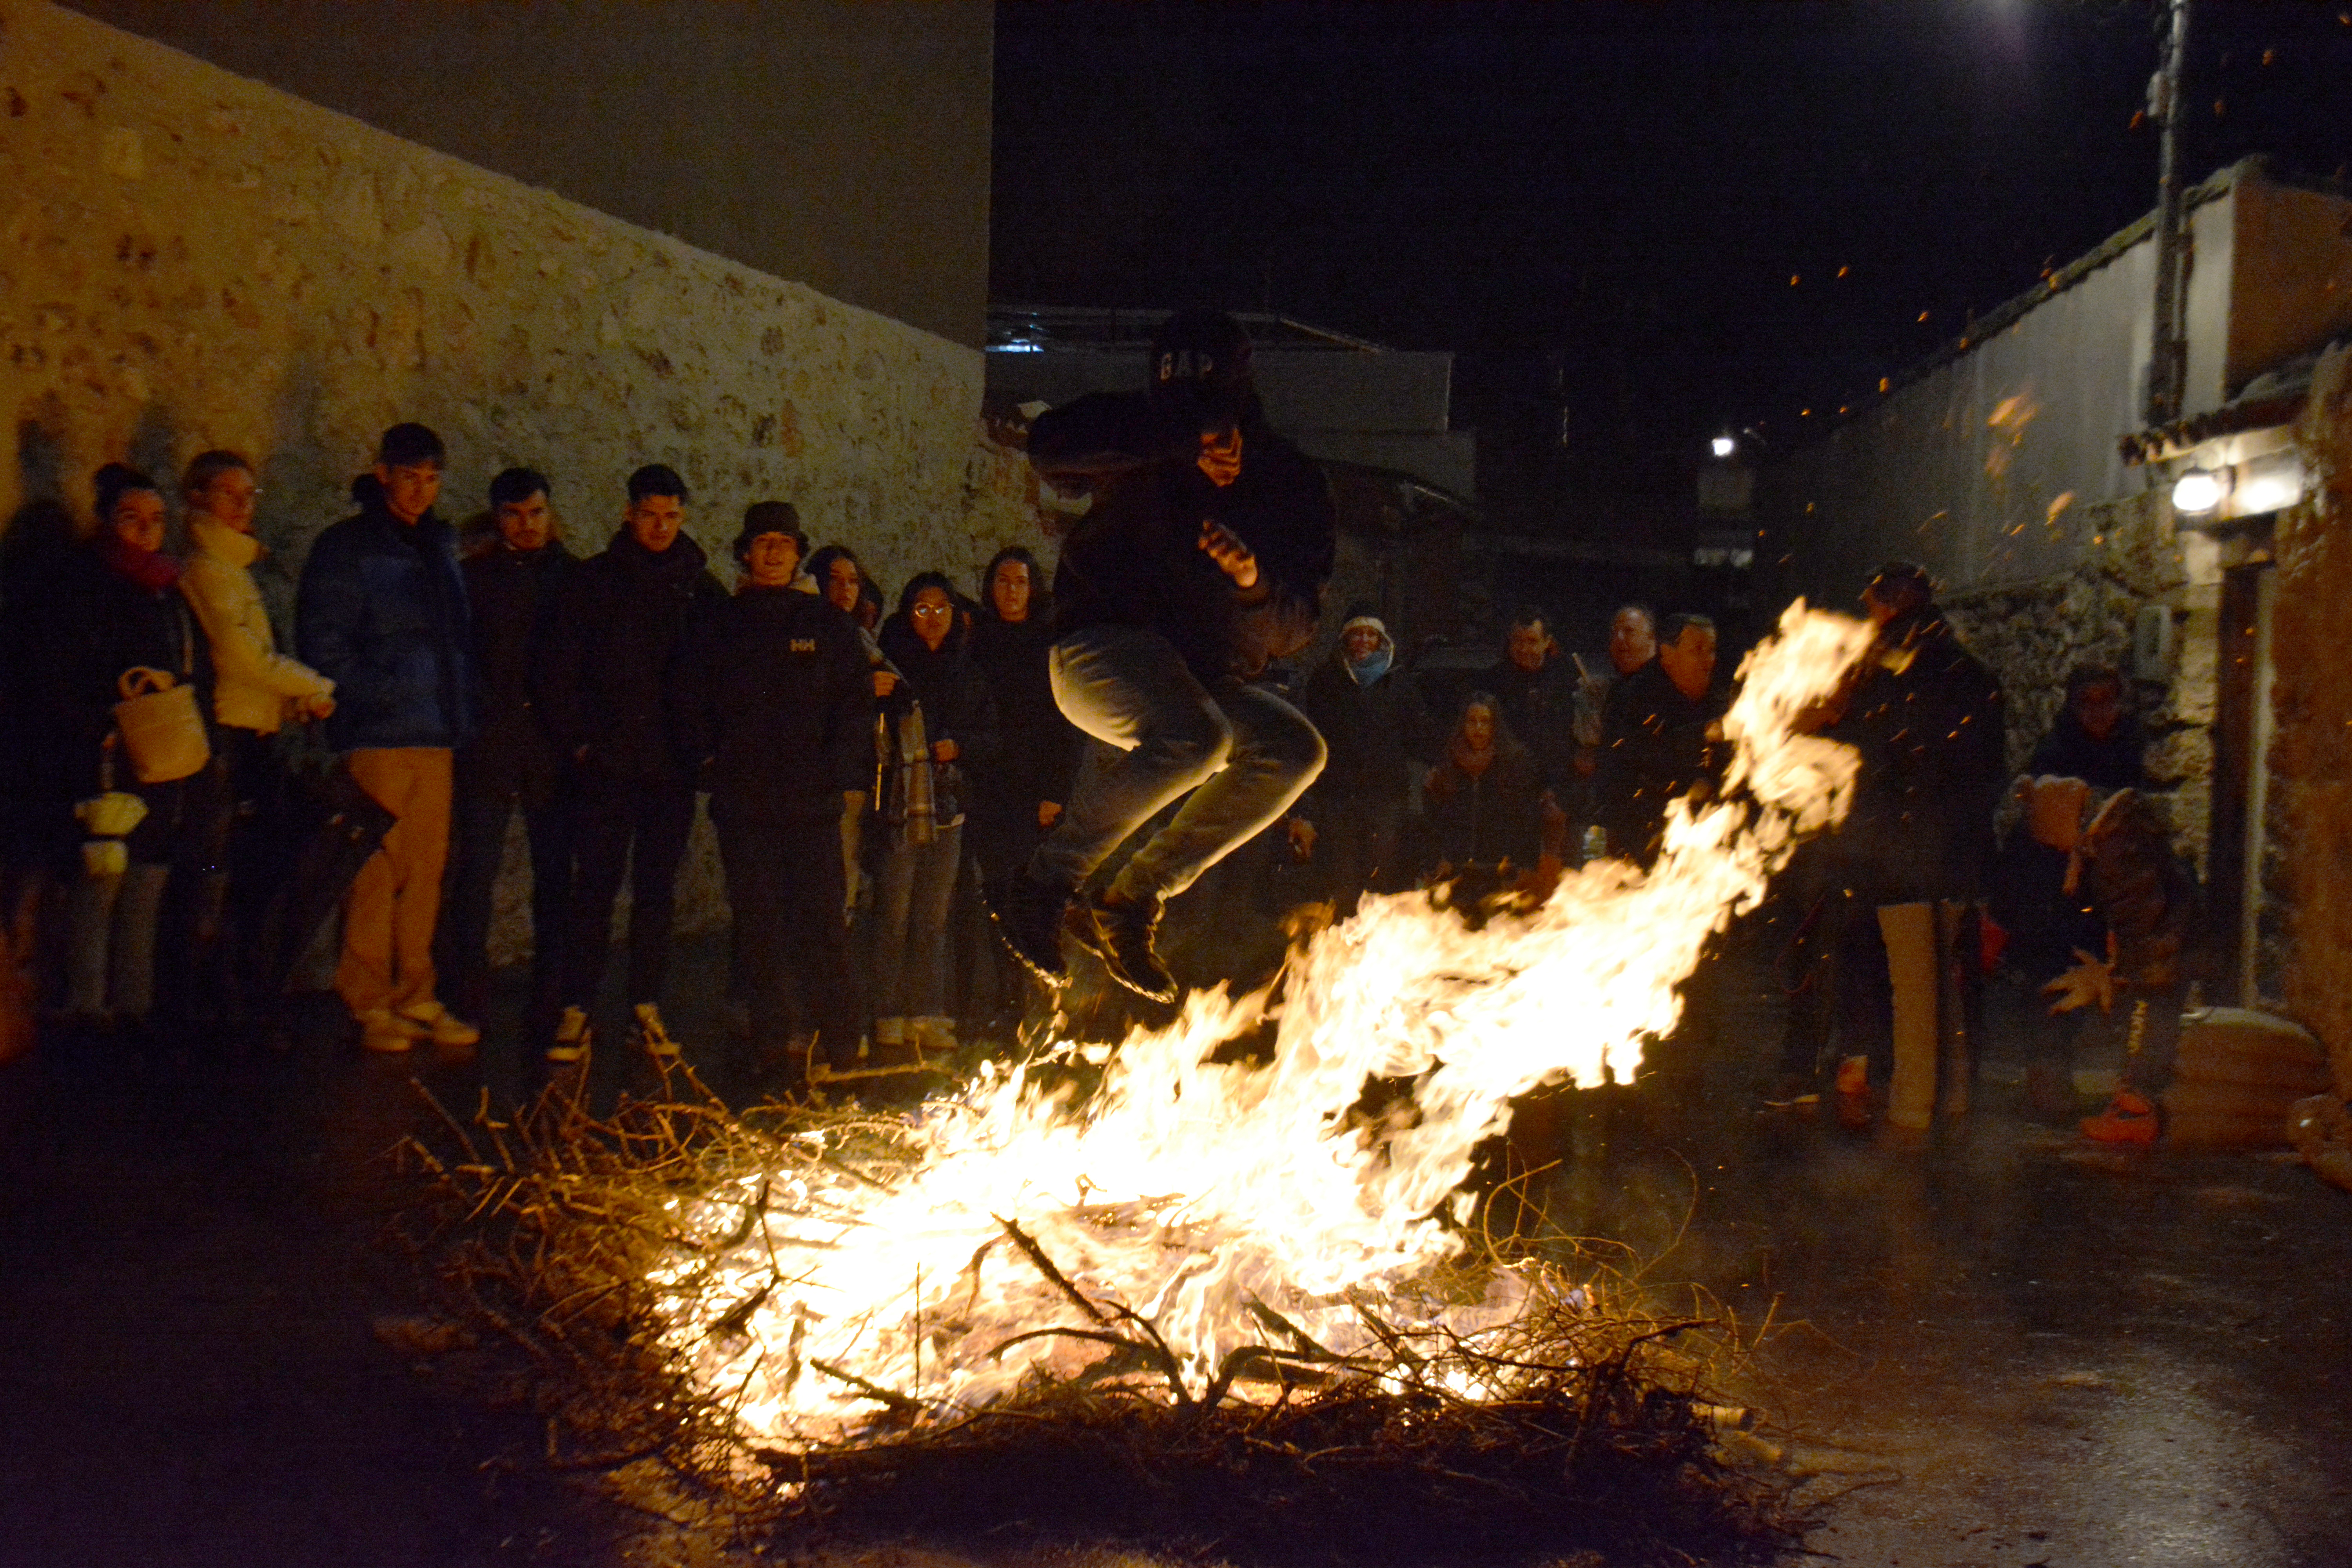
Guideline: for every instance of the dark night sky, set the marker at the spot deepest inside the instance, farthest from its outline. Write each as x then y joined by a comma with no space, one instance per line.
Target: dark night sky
1612,198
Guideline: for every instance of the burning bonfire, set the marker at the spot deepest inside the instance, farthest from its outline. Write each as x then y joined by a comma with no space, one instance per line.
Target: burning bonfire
1207,1283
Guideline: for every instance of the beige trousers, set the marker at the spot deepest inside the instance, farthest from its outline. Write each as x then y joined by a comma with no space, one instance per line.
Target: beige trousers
389,914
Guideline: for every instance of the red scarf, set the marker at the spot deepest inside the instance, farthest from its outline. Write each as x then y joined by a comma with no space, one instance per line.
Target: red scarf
150,569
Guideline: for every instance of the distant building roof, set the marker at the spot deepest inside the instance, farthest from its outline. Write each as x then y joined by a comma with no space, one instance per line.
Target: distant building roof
1015,328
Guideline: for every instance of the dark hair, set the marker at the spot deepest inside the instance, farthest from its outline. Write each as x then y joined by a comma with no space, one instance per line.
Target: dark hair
656,480
514,485
820,566
1529,616
923,580
367,490
771,517
1901,575
1040,598
2084,677
403,445
205,467
1671,629
114,481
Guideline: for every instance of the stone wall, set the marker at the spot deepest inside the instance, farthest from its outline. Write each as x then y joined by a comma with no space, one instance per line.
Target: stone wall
2031,633
2308,848
190,259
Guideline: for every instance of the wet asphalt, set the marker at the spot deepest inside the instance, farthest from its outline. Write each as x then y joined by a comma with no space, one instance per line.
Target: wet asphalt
1989,1346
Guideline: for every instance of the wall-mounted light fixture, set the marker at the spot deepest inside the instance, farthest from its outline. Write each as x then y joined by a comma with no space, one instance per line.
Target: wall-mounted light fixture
2198,491
1723,445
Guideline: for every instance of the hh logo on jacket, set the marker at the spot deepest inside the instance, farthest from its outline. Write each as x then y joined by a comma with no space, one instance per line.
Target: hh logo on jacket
804,645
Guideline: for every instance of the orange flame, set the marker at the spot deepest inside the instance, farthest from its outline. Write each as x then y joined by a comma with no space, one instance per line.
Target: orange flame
1193,1195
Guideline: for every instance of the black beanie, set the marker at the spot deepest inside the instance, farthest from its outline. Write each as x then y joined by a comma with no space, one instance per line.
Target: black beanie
770,517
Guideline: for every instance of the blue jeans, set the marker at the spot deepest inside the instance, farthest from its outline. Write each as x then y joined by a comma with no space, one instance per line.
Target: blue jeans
1242,754
911,926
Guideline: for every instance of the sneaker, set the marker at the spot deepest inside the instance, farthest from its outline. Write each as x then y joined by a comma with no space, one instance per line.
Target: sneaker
572,1036
935,1037
1853,1093
649,1035
1122,936
1028,919
381,1029
2129,1117
434,1022
890,1032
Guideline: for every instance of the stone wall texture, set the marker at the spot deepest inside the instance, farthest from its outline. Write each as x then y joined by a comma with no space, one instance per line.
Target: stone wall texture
190,259
2308,823
2031,633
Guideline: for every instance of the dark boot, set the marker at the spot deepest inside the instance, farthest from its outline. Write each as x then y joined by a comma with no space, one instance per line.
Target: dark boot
1028,921
1122,936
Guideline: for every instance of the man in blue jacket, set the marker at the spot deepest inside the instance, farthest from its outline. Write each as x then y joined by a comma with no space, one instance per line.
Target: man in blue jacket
382,612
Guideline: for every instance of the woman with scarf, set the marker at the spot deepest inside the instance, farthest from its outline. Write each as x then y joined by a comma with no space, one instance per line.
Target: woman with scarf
256,688
936,723
1351,821
1485,801
121,610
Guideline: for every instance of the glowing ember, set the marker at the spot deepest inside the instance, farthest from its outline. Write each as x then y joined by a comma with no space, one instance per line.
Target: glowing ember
1199,1198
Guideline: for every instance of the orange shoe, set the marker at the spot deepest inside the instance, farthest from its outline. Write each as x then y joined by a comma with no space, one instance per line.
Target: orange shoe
1853,1093
2129,1117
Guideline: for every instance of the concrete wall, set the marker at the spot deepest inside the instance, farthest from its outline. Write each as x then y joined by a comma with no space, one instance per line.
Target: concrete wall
191,259
2307,860
845,144
1989,467
2291,281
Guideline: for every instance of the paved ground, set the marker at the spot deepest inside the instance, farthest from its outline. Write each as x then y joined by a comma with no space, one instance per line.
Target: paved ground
2003,1349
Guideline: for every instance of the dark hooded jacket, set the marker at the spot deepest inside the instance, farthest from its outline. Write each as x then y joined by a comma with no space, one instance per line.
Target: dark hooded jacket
2071,752
955,698
622,618
1134,559
513,595
1038,748
1927,717
1375,733
382,612
772,703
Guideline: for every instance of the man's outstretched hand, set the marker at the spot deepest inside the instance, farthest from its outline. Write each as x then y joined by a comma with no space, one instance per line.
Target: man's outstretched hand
1234,558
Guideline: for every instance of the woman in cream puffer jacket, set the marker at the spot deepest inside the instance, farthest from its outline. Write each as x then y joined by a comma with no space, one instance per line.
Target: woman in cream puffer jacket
255,691
255,687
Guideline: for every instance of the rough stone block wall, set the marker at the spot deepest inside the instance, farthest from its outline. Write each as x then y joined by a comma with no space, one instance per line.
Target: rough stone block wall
2031,633
190,259
2308,855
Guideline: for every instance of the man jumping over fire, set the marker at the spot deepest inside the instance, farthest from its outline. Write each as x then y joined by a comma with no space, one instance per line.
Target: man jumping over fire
1202,556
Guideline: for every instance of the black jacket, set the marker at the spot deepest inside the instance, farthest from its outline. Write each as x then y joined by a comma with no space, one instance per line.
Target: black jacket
2069,751
1038,748
381,612
513,595
1540,708
1654,748
772,703
957,705
1134,559
1374,734
620,620
98,625
1495,817
1927,717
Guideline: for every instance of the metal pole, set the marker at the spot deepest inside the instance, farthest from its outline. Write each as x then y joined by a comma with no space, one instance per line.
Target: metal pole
2167,369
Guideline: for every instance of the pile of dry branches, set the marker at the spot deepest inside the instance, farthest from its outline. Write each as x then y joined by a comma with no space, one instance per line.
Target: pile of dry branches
1584,1424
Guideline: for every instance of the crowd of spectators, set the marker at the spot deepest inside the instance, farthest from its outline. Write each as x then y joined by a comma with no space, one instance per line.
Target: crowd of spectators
872,777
